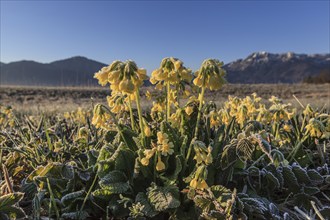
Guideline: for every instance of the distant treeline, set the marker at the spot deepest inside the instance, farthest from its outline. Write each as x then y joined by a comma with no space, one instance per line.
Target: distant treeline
322,77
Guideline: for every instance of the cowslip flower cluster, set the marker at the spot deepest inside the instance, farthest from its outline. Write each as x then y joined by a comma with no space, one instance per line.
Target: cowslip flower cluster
171,71
210,75
316,129
203,157
198,181
280,111
123,77
202,154
117,102
163,148
7,116
101,118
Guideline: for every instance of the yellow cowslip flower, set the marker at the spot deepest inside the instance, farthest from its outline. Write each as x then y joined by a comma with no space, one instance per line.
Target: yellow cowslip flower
171,71
202,184
214,119
275,100
315,128
173,98
164,146
287,127
83,132
198,184
148,153
117,102
186,93
148,95
308,110
202,154
160,165
210,75
167,148
193,183
114,77
241,115
281,112
161,137
198,157
158,106
209,158
189,110
147,131
66,115
145,161
126,86
224,116
102,76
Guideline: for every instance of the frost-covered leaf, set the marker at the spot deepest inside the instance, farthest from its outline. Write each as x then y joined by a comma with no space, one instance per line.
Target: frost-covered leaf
315,177
148,209
68,198
75,215
163,198
272,182
301,174
244,149
290,179
10,199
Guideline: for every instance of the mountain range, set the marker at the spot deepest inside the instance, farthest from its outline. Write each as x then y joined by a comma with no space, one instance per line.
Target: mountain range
259,67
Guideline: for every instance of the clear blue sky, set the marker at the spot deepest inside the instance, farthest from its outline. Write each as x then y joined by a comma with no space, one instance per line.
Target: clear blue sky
147,31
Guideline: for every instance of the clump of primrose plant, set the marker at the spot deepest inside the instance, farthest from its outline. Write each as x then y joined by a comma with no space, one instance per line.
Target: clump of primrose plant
210,75
125,78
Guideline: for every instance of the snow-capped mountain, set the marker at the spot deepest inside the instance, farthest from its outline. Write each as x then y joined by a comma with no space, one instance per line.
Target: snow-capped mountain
263,67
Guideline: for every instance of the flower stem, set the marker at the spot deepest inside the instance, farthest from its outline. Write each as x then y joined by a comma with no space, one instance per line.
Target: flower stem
168,105
131,113
138,104
201,98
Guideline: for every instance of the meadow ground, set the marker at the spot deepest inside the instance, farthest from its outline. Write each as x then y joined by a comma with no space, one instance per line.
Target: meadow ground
61,99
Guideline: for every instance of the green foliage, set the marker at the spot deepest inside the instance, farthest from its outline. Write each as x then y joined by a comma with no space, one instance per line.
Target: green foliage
248,161
8,207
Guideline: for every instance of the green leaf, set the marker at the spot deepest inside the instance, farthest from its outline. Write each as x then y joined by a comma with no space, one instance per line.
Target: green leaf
102,193
220,192
177,170
290,179
75,215
14,211
254,208
311,190
203,203
244,149
264,145
300,173
163,198
228,157
148,209
68,198
125,162
277,173
10,199
315,177
55,170
272,182
115,182
325,211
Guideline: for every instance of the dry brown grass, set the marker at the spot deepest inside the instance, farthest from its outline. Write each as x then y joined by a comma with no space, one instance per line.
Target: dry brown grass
61,99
